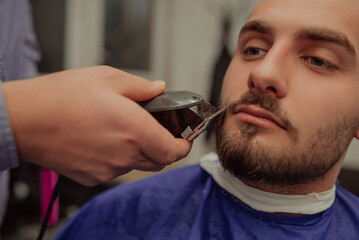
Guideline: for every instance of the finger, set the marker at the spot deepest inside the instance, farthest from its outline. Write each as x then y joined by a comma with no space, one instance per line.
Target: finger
139,89
159,145
146,164
144,90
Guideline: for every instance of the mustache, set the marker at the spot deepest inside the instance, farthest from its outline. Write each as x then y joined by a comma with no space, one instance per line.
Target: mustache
265,101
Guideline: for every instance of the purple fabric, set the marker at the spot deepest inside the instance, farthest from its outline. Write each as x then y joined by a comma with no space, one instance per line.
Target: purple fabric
18,57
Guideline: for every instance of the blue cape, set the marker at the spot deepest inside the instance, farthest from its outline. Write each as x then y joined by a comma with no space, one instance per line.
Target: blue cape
186,203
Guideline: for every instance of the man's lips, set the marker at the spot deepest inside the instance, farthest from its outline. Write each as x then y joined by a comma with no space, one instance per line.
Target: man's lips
258,116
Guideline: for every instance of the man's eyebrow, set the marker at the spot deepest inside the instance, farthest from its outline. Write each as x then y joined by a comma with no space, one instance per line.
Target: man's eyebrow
326,35
313,34
257,26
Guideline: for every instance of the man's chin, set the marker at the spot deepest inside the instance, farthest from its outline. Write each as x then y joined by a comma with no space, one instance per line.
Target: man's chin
252,154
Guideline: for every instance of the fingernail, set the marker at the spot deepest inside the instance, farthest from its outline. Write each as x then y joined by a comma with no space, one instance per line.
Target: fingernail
159,83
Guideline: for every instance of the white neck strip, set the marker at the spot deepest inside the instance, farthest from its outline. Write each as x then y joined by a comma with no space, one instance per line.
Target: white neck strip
266,201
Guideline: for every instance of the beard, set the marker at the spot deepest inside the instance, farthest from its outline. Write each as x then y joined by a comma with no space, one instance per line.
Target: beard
259,161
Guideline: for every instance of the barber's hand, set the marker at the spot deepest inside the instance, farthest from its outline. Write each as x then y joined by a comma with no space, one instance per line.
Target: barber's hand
85,124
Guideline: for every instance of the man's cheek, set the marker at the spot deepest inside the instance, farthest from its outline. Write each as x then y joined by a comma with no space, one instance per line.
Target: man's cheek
229,124
228,96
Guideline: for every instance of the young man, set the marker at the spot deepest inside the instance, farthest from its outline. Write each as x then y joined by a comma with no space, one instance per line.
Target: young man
291,93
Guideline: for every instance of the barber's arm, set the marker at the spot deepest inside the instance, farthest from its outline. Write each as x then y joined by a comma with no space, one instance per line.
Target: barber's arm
85,124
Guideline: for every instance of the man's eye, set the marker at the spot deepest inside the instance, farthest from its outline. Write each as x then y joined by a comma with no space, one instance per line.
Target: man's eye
251,51
320,63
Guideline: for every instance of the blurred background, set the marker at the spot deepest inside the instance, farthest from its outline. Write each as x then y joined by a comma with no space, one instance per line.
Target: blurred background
187,43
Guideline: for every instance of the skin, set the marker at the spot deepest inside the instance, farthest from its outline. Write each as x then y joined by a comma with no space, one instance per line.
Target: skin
85,125
313,80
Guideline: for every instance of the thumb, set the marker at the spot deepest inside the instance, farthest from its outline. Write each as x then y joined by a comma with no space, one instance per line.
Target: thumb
143,89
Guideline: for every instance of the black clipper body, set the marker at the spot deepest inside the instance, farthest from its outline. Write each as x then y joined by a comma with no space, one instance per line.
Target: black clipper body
185,114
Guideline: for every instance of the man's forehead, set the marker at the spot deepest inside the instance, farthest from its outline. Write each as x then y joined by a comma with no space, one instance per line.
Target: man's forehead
340,15
310,2
335,6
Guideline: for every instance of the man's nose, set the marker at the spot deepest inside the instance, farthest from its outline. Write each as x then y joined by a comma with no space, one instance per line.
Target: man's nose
269,76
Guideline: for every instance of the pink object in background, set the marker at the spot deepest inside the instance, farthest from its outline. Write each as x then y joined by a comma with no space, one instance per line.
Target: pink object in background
48,182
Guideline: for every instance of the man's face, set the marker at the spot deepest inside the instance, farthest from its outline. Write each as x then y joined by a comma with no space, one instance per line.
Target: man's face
293,91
